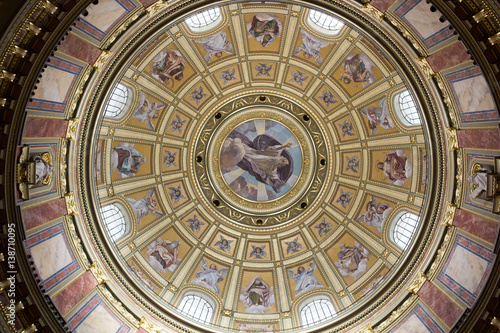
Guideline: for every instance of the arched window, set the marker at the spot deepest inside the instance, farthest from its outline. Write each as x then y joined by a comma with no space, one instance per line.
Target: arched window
324,23
316,311
404,228
406,109
114,221
196,307
204,20
118,102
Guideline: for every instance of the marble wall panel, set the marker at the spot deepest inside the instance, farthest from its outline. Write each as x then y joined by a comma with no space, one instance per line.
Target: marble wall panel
37,127
480,139
80,49
466,269
103,17
417,321
96,317
450,56
440,304
425,23
382,5
475,101
476,225
38,215
52,255
75,292
147,3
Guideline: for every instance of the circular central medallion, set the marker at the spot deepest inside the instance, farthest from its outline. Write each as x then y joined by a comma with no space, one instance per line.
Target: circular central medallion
261,160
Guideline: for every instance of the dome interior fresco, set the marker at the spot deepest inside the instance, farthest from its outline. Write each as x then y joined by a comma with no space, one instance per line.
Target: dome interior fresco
197,166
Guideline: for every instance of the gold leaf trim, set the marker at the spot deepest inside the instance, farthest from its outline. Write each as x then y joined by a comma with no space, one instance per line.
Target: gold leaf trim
71,203
419,281
98,273
449,214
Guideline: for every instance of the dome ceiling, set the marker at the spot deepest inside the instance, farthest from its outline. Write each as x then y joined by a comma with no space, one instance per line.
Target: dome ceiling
264,151
244,166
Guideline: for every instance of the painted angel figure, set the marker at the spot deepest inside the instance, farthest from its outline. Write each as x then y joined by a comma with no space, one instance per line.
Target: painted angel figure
144,206
143,278
177,124
169,159
164,255
168,66
195,224
258,252
344,198
323,227
126,160
346,128
352,260
352,164
358,68
224,244
228,75
263,69
305,278
257,296
378,116
264,28
396,167
209,276
197,95
298,77
311,47
176,194
376,214
293,246
327,98
215,45
147,111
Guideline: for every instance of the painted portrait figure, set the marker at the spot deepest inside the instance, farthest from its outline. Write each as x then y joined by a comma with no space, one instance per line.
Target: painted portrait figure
358,68
164,255
264,28
378,116
352,260
126,160
144,206
168,66
215,46
396,167
209,276
257,296
305,278
376,214
310,47
147,111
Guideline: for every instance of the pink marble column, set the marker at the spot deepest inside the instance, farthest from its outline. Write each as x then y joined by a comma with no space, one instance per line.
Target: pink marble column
36,127
80,49
438,302
75,292
480,138
450,56
38,215
382,5
476,225
147,3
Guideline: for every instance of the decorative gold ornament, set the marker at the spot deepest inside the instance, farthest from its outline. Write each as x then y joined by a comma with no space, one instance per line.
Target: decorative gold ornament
373,12
148,326
71,203
77,242
156,8
101,61
118,305
451,133
72,130
98,273
419,281
449,214
425,67
441,252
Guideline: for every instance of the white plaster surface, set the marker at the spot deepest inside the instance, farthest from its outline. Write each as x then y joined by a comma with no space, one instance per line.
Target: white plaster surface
466,268
99,321
412,325
54,85
425,22
103,15
51,256
473,94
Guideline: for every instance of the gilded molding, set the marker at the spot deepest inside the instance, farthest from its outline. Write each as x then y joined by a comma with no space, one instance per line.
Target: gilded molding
4,75
72,130
122,28
425,67
459,177
451,134
101,61
63,166
445,94
419,281
118,305
148,326
395,314
98,273
156,8
19,51
50,7
77,242
449,214
79,90
442,251
373,12
406,34
71,203
367,329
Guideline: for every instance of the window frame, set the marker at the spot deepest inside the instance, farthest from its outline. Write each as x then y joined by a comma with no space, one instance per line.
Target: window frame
408,114
207,26
395,226
314,300
311,17
201,297
124,102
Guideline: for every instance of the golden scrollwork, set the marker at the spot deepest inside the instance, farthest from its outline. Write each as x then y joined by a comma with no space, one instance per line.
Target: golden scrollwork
79,90
148,326
366,329
419,281
118,305
425,67
449,214
373,12
451,133
72,130
101,61
395,314
156,8
71,206
98,273
122,28
63,166
442,251
459,177
77,242
406,34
